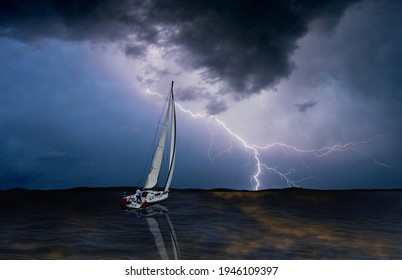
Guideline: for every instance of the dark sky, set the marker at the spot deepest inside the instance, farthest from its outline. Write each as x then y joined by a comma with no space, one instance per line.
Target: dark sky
270,93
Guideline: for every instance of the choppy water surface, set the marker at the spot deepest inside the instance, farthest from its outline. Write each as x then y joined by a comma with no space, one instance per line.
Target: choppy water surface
89,224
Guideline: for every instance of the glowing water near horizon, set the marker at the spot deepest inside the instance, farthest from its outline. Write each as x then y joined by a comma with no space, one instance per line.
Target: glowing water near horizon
72,224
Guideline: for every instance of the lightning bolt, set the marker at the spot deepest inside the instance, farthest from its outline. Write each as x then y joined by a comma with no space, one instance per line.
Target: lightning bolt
380,163
318,152
254,150
213,157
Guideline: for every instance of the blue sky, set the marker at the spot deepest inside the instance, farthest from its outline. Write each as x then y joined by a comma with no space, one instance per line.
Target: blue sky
269,95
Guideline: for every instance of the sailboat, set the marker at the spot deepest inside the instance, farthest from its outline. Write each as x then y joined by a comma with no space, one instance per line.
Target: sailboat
150,194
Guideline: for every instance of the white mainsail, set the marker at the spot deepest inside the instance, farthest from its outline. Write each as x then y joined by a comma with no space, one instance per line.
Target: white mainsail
153,174
172,143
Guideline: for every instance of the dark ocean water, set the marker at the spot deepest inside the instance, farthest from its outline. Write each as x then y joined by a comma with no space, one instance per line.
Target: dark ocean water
89,224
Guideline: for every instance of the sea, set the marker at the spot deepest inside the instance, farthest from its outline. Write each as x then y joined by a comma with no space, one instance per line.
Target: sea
290,224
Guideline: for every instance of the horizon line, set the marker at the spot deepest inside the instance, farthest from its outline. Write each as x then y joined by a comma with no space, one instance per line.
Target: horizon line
128,188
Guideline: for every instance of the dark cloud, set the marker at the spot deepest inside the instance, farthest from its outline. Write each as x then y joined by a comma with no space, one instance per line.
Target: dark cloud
216,106
363,55
372,66
76,20
191,93
303,107
356,72
247,46
134,49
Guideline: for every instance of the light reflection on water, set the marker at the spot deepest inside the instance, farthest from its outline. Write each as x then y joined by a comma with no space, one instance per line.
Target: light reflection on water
202,225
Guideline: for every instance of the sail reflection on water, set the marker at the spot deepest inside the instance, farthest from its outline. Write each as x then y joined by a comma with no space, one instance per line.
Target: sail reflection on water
161,227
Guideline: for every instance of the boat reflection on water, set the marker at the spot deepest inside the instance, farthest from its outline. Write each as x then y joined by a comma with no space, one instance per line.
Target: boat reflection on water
162,229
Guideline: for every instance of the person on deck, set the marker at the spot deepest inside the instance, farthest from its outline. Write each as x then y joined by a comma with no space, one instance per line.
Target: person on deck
138,195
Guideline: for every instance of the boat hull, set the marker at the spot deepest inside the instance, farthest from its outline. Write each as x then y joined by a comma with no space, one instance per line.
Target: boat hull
149,198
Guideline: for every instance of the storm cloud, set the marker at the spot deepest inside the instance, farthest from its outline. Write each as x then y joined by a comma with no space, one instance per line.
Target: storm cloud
302,107
246,47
